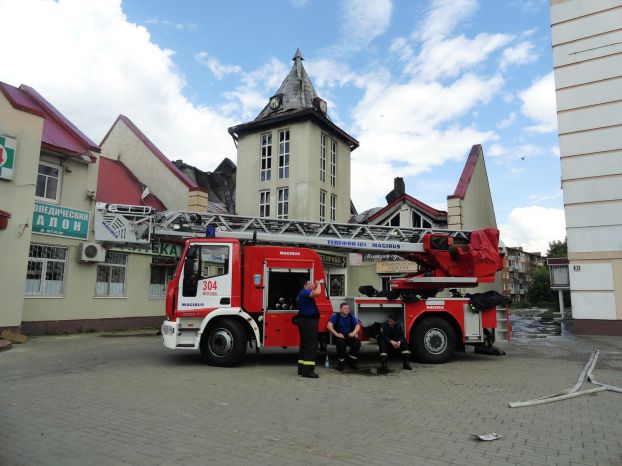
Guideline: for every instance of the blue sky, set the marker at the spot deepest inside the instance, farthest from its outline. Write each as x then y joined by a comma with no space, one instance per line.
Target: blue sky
416,82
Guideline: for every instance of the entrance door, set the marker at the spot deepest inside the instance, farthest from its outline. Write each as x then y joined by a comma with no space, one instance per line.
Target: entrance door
206,281
281,287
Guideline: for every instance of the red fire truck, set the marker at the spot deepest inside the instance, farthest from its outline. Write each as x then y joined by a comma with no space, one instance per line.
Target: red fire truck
238,278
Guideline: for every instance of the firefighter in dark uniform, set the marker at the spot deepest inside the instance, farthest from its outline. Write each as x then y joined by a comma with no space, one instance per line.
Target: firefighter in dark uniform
392,338
307,320
345,328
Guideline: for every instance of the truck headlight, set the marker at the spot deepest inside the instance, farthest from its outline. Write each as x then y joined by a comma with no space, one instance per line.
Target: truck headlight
167,330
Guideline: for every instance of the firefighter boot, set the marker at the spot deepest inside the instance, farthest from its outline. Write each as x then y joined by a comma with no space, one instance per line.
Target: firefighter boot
405,363
308,371
300,368
384,365
352,362
340,365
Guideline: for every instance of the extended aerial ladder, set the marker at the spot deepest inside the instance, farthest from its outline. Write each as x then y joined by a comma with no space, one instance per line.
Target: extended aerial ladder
447,258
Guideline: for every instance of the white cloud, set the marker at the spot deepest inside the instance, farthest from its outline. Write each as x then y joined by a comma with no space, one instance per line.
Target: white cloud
298,3
218,69
508,97
443,56
106,65
520,54
443,17
533,227
363,21
539,104
247,99
519,151
190,27
508,121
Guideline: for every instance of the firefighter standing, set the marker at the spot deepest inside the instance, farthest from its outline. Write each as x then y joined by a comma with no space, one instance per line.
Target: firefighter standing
307,320
345,327
392,338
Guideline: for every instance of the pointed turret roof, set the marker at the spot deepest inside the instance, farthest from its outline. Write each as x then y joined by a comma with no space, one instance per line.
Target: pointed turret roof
296,99
296,91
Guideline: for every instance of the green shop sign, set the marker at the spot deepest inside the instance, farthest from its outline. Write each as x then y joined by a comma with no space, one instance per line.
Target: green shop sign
50,219
7,157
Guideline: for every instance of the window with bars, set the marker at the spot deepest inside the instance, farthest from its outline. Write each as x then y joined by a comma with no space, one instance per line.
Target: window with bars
161,275
322,206
333,207
264,204
284,154
323,158
111,275
266,157
45,275
282,210
48,182
333,163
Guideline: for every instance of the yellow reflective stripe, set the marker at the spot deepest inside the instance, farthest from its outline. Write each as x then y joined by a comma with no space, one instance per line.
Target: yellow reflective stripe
350,356
342,359
308,363
383,354
405,352
300,361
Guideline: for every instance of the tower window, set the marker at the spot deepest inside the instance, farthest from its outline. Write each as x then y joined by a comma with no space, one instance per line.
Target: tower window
333,163
284,154
282,203
323,158
266,157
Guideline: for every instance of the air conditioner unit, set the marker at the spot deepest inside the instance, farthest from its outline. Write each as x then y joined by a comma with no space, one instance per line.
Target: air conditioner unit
92,252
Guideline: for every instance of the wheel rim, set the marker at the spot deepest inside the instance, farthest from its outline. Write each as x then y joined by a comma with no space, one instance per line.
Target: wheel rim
435,341
221,342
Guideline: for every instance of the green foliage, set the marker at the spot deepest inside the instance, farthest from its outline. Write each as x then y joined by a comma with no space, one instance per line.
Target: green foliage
557,249
540,291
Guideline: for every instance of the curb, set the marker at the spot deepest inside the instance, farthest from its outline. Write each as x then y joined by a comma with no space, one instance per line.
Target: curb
5,345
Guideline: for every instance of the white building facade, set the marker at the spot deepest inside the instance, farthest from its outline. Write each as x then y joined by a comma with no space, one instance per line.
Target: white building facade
587,55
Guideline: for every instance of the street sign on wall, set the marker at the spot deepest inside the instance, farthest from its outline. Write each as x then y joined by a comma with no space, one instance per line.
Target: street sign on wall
8,147
56,220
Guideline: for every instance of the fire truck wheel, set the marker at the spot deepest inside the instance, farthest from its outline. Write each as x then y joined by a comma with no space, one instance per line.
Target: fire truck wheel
433,340
223,343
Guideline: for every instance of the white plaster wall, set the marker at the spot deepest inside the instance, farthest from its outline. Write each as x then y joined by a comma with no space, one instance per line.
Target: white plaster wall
17,197
592,165
593,305
304,178
122,144
604,188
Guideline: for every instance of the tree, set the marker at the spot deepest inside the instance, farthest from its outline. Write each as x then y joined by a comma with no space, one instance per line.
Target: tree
540,290
557,249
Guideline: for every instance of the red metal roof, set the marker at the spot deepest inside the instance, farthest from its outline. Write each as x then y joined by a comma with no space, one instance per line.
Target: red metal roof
155,151
467,172
116,184
409,199
59,134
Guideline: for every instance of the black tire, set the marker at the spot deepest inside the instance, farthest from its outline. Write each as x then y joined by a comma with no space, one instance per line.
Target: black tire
433,340
223,343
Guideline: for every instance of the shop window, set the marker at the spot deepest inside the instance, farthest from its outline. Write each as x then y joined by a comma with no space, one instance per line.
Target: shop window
337,284
45,275
111,276
48,182
162,272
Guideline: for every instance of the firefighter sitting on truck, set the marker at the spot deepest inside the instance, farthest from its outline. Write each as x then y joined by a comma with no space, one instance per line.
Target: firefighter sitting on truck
307,320
345,327
392,338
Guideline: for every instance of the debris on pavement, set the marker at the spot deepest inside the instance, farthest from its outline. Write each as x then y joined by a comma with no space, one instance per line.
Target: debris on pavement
488,437
13,337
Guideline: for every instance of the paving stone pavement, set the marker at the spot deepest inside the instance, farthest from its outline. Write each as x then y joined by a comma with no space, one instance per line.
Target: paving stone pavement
88,400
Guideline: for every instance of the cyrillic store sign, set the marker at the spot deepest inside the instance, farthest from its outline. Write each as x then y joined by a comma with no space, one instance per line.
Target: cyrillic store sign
50,219
156,248
8,147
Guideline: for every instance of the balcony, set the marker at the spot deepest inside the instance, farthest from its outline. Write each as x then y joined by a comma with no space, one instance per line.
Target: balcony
558,273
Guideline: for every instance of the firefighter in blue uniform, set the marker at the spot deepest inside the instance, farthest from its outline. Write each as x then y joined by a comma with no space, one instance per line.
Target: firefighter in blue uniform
345,328
307,320
392,338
